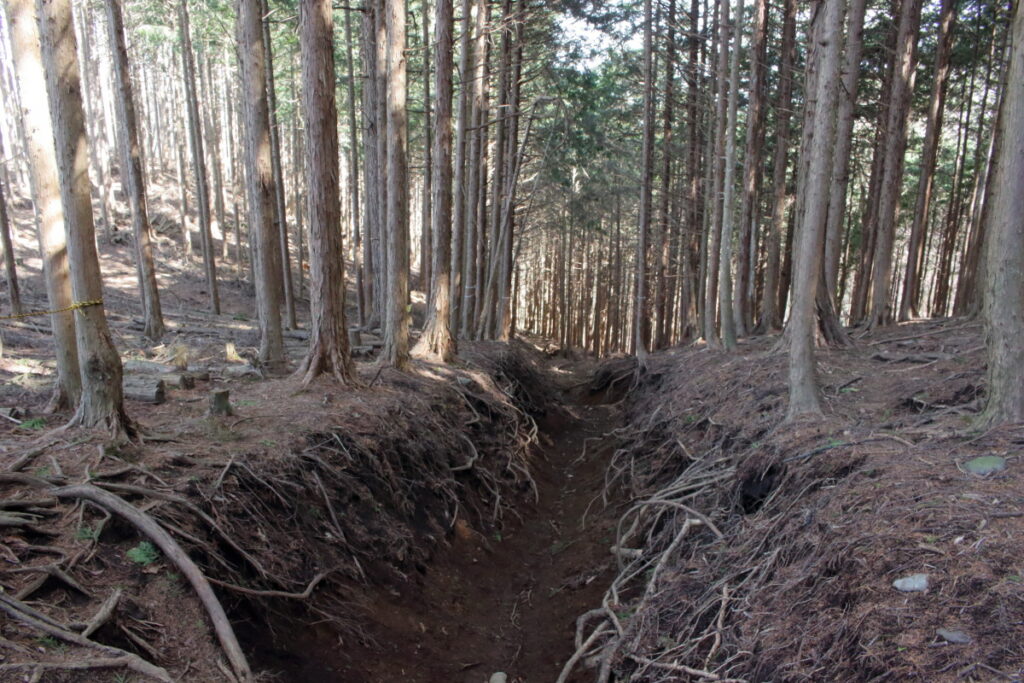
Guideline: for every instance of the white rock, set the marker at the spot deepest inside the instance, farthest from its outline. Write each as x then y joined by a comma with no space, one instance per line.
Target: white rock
499,677
911,584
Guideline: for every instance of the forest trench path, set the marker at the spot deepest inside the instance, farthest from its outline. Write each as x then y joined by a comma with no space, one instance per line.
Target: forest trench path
509,603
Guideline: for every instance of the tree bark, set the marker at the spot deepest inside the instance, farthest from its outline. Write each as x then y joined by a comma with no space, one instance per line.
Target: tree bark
437,340
646,180
38,135
725,280
743,297
396,332
102,400
803,385
280,212
911,299
328,336
1004,291
198,156
133,177
7,245
771,314
895,142
266,269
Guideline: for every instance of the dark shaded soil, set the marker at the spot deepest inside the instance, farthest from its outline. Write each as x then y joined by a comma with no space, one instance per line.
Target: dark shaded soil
503,602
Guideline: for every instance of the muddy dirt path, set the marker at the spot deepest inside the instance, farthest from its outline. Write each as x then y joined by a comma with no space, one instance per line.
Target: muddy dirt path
504,603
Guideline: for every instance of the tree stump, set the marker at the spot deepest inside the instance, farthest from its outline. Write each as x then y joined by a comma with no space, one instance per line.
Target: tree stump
220,403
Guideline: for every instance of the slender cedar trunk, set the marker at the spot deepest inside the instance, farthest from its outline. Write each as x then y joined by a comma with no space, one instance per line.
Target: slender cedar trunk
844,140
459,198
911,299
37,132
646,180
691,235
298,154
771,312
437,340
895,146
743,304
353,175
133,177
514,156
213,139
1004,286
280,212
869,230
383,141
487,325
396,333
228,176
371,176
661,304
725,280
7,245
102,400
428,170
198,155
968,300
93,108
718,164
260,177
803,385
475,170
328,335
709,87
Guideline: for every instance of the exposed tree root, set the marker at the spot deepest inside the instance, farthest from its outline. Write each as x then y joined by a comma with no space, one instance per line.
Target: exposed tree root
174,552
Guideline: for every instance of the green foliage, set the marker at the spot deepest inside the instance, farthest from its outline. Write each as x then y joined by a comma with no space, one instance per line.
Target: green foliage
145,554
34,423
87,533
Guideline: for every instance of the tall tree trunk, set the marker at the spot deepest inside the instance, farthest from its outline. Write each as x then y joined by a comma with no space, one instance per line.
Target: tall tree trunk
725,280
280,212
425,203
1004,290
743,297
37,131
437,339
803,385
256,115
133,177
353,175
459,198
198,156
911,299
661,303
7,245
396,332
895,142
371,162
328,336
717,163
102,401
646,181
771,314
844,139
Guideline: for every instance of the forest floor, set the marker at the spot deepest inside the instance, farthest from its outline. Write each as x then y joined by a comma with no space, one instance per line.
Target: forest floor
457,521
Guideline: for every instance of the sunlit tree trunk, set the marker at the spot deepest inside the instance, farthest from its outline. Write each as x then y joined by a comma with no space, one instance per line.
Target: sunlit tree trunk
102,400
437,339
328,336
260,177
396,331
37,132
198,156
646,180
132,176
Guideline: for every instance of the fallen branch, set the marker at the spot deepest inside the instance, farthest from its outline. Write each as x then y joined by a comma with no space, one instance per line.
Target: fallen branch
174,552
15,610
304,595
